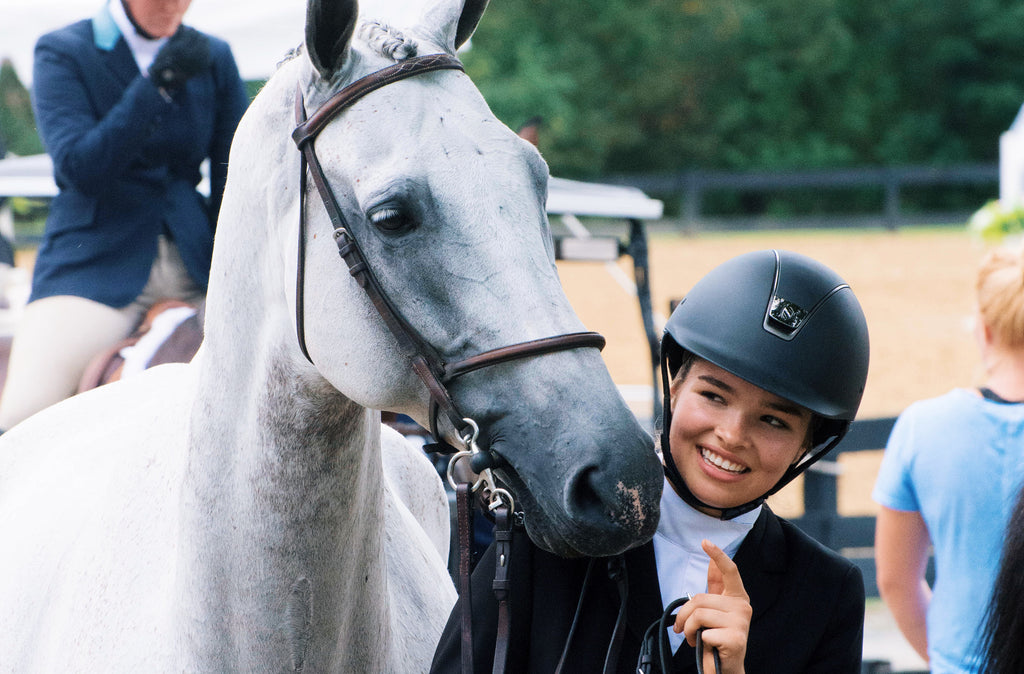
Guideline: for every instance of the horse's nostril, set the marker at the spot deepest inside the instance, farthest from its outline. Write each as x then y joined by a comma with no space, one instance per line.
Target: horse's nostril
584,496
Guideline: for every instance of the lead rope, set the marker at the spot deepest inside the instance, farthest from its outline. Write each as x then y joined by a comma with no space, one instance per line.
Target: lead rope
464,507
617,573
651,642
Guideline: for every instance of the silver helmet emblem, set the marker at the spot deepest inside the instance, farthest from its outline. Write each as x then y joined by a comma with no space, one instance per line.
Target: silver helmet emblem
784,318
787,313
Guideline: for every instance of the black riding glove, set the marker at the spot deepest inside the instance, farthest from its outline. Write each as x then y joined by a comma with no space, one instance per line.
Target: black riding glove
186,54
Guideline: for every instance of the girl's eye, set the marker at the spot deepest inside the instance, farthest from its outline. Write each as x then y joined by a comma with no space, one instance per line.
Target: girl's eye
712,396
775,422
391,220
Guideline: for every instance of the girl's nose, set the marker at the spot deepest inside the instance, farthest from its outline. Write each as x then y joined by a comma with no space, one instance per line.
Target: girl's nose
732,430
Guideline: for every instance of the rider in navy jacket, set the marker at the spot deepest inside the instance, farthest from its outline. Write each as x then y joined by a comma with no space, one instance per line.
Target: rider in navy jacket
126,160
129,105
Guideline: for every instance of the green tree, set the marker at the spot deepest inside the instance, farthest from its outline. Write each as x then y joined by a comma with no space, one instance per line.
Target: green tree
17,123
657,85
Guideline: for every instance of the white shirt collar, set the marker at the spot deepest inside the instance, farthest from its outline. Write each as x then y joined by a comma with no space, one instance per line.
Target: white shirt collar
143,49
685,526
682,564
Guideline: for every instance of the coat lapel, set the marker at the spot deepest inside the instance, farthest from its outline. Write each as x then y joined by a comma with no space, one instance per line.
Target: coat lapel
762,561
120,62
113,50
644,603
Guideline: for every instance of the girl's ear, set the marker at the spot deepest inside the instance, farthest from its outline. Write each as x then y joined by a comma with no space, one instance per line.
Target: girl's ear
812,428
673,391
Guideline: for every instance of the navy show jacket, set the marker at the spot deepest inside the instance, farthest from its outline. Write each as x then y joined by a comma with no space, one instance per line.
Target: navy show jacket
126,161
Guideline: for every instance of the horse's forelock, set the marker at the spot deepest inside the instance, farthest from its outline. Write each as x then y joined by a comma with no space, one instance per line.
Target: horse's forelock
387,41
292,53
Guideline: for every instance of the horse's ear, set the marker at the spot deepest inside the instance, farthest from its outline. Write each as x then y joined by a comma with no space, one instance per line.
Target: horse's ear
329,27
453,21
472,10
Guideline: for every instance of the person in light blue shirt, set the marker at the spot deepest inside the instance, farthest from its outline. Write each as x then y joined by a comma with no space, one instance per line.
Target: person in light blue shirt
951,471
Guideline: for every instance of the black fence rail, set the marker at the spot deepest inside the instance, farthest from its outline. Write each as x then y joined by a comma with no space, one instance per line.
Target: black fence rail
852,536
691,187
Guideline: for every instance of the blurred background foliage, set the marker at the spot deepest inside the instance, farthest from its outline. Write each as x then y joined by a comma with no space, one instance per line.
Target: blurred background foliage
17,124
664,86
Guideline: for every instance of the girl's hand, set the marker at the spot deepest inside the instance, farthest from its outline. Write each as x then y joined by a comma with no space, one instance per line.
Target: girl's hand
724,613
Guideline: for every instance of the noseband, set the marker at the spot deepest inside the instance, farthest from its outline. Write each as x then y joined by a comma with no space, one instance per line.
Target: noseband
428,364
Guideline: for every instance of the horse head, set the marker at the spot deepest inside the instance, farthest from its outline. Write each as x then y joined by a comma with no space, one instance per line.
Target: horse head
447,206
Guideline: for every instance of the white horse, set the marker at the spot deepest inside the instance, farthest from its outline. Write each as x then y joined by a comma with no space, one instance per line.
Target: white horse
236,514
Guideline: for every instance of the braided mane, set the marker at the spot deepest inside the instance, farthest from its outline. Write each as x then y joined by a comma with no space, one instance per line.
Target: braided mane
387,41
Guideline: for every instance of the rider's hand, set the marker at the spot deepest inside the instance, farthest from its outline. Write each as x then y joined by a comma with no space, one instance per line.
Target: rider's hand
186,54
724,613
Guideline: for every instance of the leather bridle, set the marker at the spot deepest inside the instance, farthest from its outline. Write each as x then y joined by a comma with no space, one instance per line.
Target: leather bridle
429,365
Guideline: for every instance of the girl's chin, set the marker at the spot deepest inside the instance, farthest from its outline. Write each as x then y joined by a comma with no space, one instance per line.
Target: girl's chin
717,500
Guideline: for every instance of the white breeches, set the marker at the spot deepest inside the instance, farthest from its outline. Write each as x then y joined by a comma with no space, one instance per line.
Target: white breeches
58,336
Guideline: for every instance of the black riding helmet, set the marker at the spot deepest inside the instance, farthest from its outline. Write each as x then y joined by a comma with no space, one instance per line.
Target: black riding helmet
785,323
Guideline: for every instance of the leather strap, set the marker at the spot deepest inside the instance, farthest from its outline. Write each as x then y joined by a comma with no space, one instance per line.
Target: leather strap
501,585
309,128
300,280
566,647
617,572
464,508
536,347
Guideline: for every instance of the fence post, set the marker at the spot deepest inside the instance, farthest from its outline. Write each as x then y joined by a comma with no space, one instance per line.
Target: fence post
892,199
692,196
820,505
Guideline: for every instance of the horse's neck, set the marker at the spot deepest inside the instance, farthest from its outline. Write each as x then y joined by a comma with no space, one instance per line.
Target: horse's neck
282,556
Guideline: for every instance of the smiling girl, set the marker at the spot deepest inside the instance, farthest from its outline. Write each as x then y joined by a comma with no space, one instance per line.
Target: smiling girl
764,364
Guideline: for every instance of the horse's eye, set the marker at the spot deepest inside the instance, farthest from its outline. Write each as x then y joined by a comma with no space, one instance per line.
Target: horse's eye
391,220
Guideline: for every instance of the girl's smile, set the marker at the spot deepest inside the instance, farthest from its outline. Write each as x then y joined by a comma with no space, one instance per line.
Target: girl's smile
731,440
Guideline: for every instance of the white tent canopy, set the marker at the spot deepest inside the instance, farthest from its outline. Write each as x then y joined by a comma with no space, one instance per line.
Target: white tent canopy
260,32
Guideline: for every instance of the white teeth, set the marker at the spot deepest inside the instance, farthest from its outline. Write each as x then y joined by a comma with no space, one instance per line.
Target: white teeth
721,462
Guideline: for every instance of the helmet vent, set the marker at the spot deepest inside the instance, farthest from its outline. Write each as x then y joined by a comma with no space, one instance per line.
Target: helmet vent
784,318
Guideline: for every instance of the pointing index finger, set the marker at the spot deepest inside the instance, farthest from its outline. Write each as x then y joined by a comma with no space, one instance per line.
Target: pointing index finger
723,574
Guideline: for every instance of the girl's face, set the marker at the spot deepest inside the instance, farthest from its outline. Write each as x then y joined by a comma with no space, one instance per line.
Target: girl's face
731,440
159,18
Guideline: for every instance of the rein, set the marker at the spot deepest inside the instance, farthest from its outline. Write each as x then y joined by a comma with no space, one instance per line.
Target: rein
435,373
